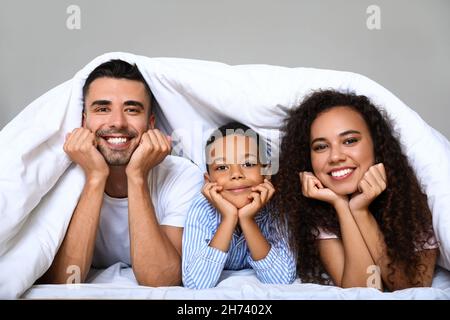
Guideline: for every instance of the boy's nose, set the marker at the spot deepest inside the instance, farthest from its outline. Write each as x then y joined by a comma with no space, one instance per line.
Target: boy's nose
236,172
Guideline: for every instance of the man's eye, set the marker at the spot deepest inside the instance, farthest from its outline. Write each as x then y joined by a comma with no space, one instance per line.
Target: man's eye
132,110
350,141
102,109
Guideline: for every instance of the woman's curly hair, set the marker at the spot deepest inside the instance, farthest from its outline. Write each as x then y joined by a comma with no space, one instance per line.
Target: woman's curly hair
401,211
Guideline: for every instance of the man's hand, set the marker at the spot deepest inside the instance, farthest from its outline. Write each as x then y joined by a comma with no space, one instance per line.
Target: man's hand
313,188
81,147
261,194
212,192
372,184
152,150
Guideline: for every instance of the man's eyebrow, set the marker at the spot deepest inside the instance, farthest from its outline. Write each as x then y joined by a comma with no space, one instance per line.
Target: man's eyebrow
134,103
342,134
100,103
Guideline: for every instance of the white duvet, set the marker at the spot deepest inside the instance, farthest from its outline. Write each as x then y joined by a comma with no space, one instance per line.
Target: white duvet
118,282
39,187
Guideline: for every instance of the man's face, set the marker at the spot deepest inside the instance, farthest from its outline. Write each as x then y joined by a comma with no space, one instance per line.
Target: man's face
117,111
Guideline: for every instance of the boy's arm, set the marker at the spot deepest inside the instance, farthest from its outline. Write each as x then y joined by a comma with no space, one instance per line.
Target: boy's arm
270,256
202,263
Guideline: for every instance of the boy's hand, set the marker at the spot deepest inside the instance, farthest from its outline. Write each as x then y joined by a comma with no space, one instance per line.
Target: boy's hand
261,194
372,184
152,150
81,147
212,192
313,188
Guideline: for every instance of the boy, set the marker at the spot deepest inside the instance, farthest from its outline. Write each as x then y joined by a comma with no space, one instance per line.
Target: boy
229,226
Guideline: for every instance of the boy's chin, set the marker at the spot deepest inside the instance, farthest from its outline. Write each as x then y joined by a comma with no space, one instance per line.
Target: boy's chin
239,202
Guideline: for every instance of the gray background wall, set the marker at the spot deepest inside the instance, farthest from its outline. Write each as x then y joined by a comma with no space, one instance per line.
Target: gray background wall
409,55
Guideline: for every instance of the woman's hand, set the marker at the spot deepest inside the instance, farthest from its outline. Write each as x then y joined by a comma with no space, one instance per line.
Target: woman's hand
313,188
372,184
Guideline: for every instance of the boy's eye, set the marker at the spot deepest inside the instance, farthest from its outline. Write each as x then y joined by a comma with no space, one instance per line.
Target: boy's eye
221,167
249,164
350,140
319,147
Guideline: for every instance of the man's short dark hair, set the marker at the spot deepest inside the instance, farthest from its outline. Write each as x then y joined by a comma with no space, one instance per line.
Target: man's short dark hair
117,69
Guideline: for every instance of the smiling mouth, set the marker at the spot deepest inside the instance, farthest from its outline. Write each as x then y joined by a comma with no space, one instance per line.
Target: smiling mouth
239,189
117,142
341,174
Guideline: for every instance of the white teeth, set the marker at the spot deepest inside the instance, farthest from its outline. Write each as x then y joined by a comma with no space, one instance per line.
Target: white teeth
341,173
116,140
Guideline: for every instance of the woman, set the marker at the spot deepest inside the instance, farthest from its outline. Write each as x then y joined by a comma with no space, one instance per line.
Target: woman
357,215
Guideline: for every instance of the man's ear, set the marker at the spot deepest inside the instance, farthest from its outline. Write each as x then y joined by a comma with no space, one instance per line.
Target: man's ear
83,119
152,121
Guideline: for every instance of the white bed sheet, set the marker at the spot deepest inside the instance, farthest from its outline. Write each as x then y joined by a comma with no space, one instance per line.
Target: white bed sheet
118,282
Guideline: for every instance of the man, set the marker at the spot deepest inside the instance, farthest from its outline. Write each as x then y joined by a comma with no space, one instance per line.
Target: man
133,204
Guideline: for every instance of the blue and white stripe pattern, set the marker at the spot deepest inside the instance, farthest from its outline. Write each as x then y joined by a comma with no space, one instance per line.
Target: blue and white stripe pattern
203,265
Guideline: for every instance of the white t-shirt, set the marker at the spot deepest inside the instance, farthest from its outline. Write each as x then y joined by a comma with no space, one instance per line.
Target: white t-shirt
174,183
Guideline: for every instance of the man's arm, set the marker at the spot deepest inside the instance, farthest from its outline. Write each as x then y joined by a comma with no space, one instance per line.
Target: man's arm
75,253
155,250
78,245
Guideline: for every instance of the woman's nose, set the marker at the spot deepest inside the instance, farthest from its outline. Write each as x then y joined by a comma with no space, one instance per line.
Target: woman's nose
337,155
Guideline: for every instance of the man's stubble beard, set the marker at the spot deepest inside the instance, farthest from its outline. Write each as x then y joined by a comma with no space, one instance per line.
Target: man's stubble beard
114,157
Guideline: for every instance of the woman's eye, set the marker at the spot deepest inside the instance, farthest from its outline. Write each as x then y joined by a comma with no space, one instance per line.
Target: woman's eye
319,147
350,140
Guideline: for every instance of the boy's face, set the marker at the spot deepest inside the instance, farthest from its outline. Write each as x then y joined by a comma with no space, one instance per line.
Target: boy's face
233,164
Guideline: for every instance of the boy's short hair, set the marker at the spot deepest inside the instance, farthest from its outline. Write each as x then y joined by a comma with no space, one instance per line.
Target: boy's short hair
238,128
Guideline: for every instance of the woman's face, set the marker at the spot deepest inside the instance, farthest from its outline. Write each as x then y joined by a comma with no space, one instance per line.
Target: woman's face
341,149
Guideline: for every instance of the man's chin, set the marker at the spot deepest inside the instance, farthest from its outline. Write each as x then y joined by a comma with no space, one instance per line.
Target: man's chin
117,161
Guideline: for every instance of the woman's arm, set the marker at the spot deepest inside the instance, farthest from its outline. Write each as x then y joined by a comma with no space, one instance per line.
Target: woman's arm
347,260
377,247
